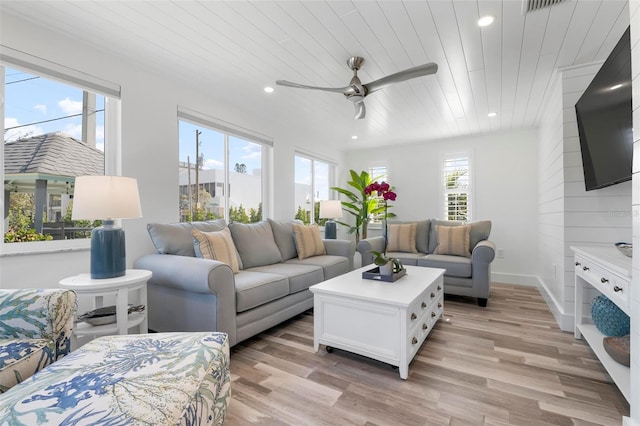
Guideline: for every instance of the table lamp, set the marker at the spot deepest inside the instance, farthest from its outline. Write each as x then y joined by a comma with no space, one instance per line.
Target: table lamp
106,198
330,209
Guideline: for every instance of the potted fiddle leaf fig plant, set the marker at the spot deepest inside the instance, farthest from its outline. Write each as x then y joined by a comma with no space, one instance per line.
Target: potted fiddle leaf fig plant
387,265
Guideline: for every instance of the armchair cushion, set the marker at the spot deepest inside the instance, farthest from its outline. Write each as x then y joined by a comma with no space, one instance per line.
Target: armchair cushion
402,237
217,245
308,241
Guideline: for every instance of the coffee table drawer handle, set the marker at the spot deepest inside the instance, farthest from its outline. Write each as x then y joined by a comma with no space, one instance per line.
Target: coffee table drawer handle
424,326
433,314
439,288
439,305
414,341
423,305
413,316
433,295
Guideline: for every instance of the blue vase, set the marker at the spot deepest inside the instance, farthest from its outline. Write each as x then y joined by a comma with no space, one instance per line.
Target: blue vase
608,318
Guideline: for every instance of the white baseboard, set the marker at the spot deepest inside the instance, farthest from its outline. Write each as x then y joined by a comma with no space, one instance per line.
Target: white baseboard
627,421
518,279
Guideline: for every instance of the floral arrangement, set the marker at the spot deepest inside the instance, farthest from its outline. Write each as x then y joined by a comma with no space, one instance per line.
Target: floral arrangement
383,189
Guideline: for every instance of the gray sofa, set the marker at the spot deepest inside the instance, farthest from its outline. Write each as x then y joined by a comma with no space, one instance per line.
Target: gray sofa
189,293
466,275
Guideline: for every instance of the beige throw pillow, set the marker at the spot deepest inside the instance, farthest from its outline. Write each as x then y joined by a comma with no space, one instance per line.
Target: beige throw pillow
218,245
308,241
402,237
453,240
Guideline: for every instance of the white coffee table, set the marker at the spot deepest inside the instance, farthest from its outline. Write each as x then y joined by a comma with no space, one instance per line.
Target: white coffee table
380,320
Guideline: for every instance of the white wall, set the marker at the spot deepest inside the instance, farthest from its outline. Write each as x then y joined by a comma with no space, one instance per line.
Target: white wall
505,191
634,419
150,145
570,215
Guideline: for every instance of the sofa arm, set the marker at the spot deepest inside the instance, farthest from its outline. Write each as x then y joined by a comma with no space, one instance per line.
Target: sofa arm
191,280
484,252
365,246
33,314
344,248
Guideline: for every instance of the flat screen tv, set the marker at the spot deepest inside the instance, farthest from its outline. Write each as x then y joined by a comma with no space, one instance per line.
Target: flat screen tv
605,121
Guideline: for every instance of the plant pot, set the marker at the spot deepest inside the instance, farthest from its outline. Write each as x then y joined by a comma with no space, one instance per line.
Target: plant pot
386,269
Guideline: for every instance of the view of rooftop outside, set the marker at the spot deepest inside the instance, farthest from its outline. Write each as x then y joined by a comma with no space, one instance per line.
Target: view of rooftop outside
205,191
53,132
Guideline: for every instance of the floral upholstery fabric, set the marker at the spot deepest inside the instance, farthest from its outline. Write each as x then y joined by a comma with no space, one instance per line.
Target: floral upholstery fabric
35,330
150,379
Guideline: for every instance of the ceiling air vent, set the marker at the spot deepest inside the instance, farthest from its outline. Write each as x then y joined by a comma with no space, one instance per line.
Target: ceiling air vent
533,5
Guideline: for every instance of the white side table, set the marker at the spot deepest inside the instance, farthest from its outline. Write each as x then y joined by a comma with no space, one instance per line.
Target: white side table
97,289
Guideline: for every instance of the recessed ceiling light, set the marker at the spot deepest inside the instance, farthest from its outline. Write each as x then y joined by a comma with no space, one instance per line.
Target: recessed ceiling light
485,20
617,86
354,137
491,114
268,89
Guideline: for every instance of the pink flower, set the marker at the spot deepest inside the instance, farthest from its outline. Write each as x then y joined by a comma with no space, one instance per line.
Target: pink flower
382,189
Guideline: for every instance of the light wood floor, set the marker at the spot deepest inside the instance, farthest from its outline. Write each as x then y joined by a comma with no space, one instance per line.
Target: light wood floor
505,364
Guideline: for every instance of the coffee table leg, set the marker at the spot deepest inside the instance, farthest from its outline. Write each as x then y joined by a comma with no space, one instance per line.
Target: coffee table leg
404,371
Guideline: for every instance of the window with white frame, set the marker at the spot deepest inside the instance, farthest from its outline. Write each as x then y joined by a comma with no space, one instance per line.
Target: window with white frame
221,170
54,130
313,178
456,185
378,173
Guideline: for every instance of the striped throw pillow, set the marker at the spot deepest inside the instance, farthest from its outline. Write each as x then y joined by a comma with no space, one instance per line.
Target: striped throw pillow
308,241
218,245
402,237
453,240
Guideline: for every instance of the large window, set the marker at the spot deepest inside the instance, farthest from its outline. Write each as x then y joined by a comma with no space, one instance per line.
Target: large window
313,178
221,172
54,131
456,184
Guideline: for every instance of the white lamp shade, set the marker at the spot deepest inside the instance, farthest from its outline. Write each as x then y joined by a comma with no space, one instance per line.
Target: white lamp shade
330,209
105,197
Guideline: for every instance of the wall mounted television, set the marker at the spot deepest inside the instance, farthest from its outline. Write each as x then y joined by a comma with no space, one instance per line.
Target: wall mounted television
605,121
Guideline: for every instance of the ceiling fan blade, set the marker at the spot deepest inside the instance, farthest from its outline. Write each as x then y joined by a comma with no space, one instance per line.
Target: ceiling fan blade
360,110
302,86
407,74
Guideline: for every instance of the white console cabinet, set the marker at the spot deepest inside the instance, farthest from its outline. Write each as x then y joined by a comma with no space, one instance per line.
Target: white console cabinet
609,272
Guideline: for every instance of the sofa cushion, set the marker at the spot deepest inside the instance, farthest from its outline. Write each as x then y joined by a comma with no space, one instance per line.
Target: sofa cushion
21,358
217,245
402,237
300,276
255,244
308,241
453,240
332,266
283,236
257,288
176,238
456,266
480,230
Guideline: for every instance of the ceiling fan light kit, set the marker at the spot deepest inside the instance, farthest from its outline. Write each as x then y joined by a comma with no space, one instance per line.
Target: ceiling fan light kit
356,91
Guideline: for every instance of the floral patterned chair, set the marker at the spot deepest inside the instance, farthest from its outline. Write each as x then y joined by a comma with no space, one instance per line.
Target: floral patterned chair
35,331
144,379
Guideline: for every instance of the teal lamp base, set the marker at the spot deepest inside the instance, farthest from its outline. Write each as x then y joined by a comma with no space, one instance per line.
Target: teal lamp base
108,258
330,230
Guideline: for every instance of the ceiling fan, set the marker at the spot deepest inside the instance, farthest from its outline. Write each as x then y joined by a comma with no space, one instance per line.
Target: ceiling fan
356,91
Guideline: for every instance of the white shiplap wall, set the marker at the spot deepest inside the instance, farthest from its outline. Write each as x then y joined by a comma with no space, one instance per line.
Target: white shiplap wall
570,215
550,202
634,419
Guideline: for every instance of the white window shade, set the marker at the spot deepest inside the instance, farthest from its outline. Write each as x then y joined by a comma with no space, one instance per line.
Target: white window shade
456,178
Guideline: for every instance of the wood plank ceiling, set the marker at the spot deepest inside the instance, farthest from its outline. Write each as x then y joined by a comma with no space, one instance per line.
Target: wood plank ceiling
233,49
